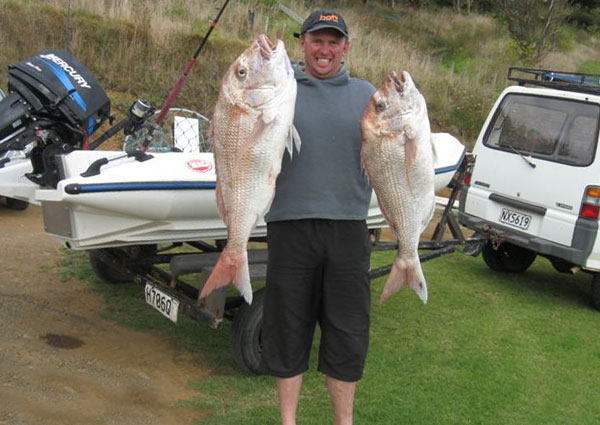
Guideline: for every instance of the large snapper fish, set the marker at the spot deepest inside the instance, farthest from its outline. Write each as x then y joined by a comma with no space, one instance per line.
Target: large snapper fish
398,157
251,127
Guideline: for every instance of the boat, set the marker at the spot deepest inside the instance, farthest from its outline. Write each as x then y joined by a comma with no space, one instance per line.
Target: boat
167,198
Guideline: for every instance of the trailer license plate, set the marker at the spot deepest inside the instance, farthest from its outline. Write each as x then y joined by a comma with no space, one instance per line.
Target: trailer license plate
515,219
166,304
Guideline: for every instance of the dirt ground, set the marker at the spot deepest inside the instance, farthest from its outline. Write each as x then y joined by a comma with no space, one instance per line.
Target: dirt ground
60,362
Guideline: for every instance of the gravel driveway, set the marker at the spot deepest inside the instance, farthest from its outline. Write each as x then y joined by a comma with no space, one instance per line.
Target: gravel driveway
60,362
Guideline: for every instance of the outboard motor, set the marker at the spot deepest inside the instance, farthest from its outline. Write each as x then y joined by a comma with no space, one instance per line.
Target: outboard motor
55,104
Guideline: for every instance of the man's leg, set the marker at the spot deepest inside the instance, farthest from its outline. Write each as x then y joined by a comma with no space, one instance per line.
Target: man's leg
342,400
288,391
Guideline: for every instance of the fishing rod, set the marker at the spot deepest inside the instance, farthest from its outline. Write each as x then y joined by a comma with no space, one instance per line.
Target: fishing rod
181,81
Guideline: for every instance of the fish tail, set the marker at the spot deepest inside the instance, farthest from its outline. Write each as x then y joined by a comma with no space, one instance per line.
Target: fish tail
405,272
230,267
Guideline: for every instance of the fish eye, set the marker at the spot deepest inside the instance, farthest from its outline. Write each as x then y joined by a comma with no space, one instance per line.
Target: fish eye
242,72
380,106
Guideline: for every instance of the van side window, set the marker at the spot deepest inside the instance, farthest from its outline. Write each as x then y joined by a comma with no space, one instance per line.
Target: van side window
554,129
577,147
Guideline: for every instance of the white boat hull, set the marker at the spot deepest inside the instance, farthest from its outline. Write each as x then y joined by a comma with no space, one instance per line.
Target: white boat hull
169,198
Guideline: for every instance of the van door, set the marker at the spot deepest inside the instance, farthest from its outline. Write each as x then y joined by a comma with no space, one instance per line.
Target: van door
533,163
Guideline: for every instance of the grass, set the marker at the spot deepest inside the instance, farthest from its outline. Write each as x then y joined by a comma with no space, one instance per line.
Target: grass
487,349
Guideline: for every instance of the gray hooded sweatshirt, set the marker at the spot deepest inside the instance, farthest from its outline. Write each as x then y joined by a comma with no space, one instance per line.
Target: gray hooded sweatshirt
325,179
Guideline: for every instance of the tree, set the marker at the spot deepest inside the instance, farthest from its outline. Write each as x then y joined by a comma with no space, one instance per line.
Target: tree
534,25
457,5
586,14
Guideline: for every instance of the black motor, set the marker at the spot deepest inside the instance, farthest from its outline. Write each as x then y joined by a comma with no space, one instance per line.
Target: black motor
55,104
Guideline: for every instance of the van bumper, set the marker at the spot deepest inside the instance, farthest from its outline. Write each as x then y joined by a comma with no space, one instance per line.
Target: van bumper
582,244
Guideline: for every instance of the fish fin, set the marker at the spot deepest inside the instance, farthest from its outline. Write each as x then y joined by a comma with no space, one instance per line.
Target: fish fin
405,272
221,206
410,147
230,267
293,141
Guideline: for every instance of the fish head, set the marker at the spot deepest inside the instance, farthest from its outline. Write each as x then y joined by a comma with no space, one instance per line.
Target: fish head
259,73
396,105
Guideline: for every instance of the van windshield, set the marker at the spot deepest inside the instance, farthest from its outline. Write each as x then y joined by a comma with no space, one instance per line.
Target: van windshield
560,130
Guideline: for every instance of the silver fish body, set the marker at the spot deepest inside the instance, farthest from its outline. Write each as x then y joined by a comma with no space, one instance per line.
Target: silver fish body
251,127
398,157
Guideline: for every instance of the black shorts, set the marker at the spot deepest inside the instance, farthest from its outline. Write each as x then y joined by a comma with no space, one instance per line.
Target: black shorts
318,272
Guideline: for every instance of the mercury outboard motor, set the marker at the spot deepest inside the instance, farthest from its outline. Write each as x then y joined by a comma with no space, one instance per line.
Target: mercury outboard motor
54,103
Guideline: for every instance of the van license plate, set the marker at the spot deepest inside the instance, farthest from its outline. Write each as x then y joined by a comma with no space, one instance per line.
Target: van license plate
166,304
515,219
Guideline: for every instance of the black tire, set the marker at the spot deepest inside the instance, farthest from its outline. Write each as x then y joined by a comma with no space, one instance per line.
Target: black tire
107,272
508,258
596,291
246,335
16,204
560,265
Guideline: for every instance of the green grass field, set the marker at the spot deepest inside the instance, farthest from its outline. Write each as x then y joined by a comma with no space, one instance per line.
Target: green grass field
486,349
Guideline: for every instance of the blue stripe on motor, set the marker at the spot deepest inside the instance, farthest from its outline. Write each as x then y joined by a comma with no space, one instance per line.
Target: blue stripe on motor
91,123
116,187
64,79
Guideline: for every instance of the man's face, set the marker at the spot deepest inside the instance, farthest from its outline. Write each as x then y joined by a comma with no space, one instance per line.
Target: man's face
324,51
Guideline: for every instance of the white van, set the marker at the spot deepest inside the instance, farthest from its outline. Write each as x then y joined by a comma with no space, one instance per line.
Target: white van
534,187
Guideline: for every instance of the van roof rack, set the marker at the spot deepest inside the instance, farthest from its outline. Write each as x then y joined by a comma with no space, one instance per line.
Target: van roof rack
560,80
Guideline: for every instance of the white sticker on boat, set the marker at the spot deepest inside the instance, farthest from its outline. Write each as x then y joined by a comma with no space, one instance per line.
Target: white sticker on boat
199,165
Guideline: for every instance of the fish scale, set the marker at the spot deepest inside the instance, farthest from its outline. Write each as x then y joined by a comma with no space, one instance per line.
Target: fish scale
252,126
391,175
398,157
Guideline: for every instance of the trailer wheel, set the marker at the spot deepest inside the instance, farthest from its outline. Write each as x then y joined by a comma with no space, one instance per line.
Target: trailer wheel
105,271
16,204
508,258
596,291
129,256
374,236
246,335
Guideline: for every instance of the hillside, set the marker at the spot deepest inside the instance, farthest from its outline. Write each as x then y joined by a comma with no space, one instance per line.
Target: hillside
140,48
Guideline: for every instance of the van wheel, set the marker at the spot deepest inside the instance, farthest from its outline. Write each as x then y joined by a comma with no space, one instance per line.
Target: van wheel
596,291
561,265
508,258
246,335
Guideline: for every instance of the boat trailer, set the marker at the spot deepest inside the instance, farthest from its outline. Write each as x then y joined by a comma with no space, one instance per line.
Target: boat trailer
170,294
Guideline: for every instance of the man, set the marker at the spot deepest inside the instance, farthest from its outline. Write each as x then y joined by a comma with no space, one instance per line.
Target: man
319,247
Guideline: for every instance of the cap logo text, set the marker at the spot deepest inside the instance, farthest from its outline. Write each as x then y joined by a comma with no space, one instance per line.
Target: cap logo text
328,18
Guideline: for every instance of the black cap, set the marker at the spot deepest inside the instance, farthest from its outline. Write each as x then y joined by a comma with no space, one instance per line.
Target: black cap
321,19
